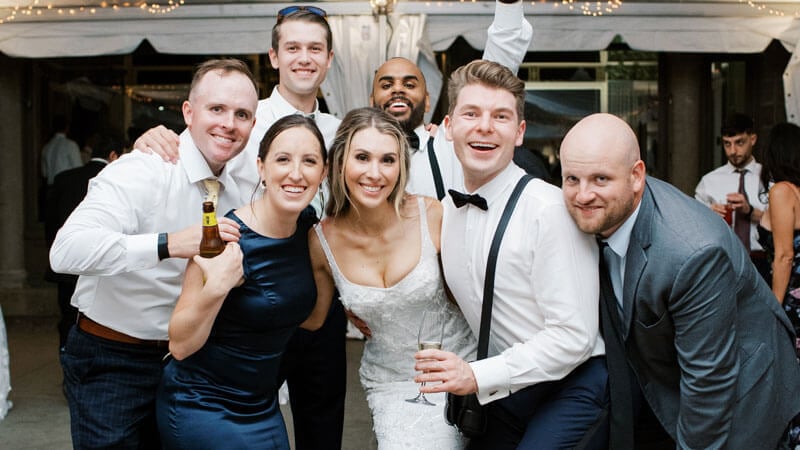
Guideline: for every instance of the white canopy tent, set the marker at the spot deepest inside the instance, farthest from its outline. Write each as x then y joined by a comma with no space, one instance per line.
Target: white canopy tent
242,28
722,26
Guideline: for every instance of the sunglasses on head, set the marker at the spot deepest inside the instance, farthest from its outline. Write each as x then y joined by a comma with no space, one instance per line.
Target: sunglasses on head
293,9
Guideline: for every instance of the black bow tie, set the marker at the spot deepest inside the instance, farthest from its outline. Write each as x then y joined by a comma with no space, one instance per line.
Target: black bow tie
413,140
460,199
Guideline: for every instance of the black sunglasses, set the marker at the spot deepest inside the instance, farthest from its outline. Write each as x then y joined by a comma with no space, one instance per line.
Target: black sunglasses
293,9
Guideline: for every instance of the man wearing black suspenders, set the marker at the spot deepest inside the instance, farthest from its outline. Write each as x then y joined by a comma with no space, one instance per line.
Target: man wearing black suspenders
543,382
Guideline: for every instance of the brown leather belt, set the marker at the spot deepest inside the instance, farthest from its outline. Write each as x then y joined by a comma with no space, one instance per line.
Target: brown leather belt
95,329
758,254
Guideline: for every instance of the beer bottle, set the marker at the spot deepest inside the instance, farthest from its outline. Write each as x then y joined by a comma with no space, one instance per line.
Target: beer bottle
211,244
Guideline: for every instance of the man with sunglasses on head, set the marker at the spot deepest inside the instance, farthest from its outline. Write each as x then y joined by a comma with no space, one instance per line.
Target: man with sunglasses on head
314,364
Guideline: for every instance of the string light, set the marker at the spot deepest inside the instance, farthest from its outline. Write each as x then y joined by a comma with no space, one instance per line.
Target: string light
587,8
36,9
771,11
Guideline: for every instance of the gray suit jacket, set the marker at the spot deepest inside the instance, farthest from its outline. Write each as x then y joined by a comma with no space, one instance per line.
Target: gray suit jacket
712,349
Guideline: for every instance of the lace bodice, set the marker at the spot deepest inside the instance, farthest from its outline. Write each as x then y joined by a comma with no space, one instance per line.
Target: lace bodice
393,314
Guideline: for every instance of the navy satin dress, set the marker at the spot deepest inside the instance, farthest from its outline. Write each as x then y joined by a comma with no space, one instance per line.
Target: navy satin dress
225,394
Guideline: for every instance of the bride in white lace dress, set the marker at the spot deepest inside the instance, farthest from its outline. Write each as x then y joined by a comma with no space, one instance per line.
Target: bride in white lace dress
380,246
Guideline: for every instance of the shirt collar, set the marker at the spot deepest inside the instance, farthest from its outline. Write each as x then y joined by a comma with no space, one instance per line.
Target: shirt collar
195,164
751,166
619,241
492,190
283,108
423,136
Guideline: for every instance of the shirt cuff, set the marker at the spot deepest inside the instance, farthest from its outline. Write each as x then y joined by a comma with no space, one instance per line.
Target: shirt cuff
491,375
508,15
142,251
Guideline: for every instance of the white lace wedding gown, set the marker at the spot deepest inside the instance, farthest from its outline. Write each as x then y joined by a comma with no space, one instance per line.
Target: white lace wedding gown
387,364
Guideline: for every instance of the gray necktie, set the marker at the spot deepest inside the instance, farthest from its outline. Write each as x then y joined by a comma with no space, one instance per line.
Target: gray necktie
619,373
613,263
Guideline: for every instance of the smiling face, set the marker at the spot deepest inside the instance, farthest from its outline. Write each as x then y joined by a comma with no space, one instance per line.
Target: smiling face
302,58
292,169
399,89
371,167
220,115
484,128
602,176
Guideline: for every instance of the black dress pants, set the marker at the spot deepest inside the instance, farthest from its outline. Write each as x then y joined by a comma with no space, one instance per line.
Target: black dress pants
315,368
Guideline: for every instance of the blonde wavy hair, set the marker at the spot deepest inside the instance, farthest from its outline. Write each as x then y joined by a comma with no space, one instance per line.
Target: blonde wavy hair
355,121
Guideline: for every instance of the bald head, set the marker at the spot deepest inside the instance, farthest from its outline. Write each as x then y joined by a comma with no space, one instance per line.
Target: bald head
602,175
604,136
399,89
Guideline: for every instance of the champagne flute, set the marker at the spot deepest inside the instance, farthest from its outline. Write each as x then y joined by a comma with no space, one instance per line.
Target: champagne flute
431,330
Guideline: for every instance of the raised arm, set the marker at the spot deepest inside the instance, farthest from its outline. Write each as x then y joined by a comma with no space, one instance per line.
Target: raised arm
200,301
509,35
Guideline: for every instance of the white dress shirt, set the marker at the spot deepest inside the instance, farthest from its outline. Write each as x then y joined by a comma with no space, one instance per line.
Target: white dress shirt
717,184
59,154
243,168
420,178
110,238
545,313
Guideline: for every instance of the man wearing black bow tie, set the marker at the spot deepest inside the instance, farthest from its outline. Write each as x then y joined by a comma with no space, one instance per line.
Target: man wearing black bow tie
544,380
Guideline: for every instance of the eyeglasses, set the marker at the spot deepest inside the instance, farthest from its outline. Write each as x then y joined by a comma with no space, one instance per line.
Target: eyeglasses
293,9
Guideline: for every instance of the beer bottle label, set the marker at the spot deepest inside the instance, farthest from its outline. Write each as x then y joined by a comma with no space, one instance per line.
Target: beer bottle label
209,219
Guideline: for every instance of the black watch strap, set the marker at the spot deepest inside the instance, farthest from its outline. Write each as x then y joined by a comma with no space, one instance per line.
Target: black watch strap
163,246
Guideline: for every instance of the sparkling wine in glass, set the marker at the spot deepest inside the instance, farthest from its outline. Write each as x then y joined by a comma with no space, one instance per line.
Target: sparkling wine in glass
430,334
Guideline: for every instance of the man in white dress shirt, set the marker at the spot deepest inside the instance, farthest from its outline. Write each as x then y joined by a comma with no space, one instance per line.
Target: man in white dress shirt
128,241
719,189
544,380
60,153
314,363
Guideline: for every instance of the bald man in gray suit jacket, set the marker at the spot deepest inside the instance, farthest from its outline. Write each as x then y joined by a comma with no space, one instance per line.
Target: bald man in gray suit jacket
698,340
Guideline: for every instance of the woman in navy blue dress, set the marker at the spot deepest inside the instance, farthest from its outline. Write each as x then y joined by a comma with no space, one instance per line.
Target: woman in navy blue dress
238,310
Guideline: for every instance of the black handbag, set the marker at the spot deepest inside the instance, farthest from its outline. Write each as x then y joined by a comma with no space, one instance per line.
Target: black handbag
464,411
